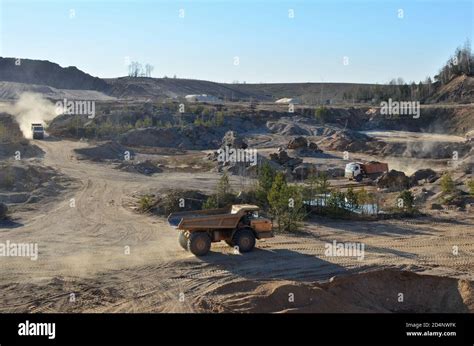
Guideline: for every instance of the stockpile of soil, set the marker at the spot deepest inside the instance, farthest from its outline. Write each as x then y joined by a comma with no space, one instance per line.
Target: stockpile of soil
324,131
232,140
171,201
298,143
23,176
9,129
24,147
393,181
12,140
423,175
352,141
146,167
283,159
191,137
303,147
22,182
457,199
287,128
376,291
109,151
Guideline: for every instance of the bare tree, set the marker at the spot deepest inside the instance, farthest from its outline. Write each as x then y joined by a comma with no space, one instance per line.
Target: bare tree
134,69
148,70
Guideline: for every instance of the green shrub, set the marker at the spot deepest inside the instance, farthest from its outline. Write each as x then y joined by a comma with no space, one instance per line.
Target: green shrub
170,203
146,203
447,183
322,114
211,203
219,118
407,201
286,204
470,186
266,176
224,195
352,198
336,203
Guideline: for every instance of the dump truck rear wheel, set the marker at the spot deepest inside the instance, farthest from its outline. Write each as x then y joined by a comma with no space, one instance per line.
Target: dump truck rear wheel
183,240
199,243
244,239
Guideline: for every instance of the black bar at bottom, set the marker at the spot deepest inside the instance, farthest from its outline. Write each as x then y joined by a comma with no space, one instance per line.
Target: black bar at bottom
294,329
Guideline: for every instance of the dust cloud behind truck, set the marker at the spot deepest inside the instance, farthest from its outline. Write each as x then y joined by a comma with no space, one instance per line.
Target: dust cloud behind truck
359,170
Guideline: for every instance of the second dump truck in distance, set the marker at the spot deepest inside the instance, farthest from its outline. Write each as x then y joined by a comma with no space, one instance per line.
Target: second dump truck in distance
359,170
38,131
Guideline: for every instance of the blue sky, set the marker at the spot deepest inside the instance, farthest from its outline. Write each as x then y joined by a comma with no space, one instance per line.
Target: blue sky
270,46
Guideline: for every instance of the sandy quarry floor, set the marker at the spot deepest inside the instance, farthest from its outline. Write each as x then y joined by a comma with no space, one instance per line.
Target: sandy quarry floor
83,252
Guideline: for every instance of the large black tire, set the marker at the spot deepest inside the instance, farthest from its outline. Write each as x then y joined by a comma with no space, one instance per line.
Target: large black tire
199,243
244,239
358,178
183,240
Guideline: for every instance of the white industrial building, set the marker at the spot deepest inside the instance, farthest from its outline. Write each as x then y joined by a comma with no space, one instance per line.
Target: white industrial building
201,98
287,101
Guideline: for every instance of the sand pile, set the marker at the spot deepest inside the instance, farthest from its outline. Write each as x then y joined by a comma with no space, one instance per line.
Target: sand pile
107,151
376,291
287,128
146,167
22,182
393,181
423,175
24,147
352,141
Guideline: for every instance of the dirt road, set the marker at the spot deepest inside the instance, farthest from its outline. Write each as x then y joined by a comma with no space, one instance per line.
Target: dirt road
96,255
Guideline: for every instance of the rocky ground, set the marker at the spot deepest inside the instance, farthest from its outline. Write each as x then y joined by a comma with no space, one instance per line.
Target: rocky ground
111,259
77,200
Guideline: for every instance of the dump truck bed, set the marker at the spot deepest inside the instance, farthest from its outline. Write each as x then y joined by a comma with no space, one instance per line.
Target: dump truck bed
224,218
375,167
175,218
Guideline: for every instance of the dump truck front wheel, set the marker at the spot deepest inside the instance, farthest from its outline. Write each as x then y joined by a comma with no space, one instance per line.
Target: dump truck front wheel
199,243
183,240
244,239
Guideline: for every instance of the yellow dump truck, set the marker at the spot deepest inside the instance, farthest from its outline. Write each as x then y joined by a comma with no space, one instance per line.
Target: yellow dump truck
239,226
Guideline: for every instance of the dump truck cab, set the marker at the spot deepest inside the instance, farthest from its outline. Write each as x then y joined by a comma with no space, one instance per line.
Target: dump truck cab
38,131
353,171
238,225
